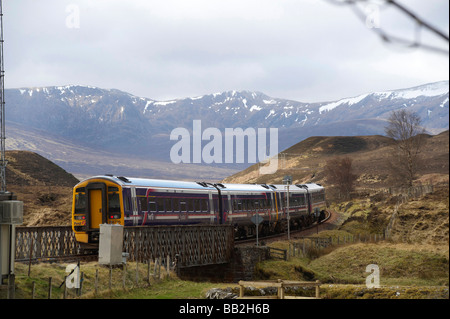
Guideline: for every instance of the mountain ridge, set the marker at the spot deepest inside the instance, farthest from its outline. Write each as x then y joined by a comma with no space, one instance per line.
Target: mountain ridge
114,121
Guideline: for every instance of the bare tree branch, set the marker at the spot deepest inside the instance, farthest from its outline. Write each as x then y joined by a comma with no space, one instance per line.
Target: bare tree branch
339,173
390,38
404,127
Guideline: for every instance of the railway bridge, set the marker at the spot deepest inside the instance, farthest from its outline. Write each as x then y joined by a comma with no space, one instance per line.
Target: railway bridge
197,245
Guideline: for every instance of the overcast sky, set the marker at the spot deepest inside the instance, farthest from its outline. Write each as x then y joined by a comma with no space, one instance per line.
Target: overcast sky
305,50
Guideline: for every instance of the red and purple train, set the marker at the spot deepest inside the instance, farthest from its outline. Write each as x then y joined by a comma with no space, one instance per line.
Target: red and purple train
130,201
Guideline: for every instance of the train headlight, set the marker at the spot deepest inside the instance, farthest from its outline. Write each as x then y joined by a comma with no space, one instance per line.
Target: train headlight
115,216
80,217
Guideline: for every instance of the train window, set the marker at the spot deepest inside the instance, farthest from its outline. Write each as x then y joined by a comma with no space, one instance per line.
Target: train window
190,205
225,206
196,206
126,204
113,203
204,205
143,204
160,204
176,205
302,201
240,205
80,203
113,189
293,201
152,206
81,190
169,206
267,202
249,204
183,206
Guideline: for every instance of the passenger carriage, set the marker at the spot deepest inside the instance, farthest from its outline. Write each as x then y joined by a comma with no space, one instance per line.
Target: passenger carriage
129,201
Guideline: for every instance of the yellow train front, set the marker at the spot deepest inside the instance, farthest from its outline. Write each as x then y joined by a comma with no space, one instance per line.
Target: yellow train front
95,201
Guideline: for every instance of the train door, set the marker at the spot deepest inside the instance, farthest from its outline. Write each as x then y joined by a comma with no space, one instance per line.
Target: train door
97,204
309,199
229,216
95,207
134,206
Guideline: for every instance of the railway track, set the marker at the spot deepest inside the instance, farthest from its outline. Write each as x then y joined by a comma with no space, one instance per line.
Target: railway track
284,236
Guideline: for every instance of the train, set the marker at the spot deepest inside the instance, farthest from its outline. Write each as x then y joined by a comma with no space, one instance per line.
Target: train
129,201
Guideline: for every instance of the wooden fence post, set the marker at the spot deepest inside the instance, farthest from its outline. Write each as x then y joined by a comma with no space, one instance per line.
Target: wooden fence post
31,254
168,266
110,277
241,291
137,273
304,247
49,287
124,275
81,284
317,289
96,282
33,289
65,288
148,271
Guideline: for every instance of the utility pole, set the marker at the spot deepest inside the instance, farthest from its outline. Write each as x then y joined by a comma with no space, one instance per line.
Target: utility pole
3,161
287,180
11,210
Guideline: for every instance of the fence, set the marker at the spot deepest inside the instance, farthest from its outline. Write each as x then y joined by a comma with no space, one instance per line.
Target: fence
281,286
192,245
278,253
93,280
45,242
411,192
309,246
189,245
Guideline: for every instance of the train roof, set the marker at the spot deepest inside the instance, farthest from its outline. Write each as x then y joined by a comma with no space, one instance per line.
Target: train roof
147,182
313,186
245,187
299,187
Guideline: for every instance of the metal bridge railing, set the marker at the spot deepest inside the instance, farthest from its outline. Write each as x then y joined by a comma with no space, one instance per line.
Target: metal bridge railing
45,242
189,245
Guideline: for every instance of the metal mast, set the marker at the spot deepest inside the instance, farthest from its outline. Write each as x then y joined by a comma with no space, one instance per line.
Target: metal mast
2,110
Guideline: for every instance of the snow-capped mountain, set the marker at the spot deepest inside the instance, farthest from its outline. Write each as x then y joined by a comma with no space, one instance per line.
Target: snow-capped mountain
117,121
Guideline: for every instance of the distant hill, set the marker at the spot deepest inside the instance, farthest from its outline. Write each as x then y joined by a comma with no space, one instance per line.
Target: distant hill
44,187
305,160
31,169
97,120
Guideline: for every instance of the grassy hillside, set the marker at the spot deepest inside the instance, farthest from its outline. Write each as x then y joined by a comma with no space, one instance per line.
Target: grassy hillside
44,187
399,264
305,161
415,256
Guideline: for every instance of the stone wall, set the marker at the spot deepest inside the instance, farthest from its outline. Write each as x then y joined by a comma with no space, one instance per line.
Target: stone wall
241,266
